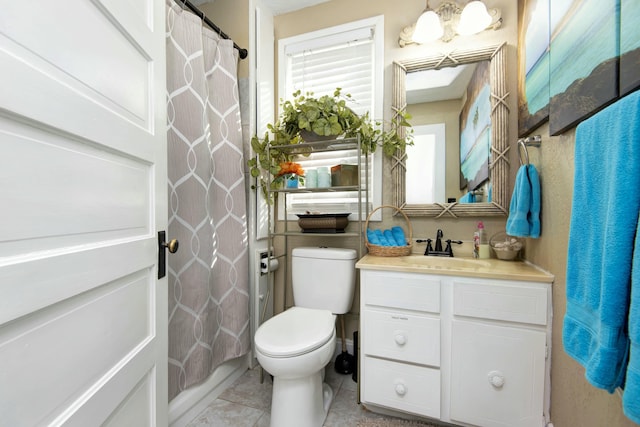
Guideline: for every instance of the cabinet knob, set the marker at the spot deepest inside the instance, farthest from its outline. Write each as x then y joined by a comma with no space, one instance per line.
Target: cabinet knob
496,379
401,389
401,339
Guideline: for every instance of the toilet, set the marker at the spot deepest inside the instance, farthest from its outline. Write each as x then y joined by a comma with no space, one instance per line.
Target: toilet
296,345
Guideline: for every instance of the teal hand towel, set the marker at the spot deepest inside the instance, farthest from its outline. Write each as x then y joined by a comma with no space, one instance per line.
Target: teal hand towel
517,223
468,198
604,220
533,218
398,235
372,237
524,210
389,236
383,240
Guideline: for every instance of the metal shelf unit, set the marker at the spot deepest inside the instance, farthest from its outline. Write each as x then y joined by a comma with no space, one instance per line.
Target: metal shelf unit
361,187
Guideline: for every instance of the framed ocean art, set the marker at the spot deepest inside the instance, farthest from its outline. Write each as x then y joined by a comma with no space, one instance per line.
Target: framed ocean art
475,129
533,64
584,59
629,46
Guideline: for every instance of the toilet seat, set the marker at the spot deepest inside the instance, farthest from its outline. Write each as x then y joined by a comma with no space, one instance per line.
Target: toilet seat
295,332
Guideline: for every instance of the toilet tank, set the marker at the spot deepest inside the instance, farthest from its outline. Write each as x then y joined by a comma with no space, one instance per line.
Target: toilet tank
324,278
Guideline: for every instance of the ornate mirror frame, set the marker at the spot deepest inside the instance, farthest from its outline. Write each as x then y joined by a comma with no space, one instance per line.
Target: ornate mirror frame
499,165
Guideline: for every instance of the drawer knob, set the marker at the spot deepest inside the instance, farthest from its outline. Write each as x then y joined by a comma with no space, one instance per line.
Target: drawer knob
401,339
401,389
496,379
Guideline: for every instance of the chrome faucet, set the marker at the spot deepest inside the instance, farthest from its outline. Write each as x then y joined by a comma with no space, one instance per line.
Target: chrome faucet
448,251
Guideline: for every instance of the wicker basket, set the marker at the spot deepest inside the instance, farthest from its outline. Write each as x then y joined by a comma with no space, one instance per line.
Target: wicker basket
389,251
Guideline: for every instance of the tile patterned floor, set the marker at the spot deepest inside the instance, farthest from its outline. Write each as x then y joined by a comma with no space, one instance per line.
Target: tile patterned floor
247,403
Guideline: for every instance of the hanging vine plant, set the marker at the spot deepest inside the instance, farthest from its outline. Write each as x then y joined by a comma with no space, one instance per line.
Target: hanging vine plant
308,118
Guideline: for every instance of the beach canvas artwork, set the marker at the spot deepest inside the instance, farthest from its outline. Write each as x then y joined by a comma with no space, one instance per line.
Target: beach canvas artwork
584,59
533,64
475,129
629,46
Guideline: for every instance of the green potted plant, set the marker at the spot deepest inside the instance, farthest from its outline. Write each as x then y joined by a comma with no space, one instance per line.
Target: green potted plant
307,118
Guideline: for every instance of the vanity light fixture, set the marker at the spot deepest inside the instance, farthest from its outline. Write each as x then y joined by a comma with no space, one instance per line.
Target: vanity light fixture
428,27
448,20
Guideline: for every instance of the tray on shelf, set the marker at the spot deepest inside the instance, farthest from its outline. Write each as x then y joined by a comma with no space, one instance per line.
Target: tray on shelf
323,223
319,146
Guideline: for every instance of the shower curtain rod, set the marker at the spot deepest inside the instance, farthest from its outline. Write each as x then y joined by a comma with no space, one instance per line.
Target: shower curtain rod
243,52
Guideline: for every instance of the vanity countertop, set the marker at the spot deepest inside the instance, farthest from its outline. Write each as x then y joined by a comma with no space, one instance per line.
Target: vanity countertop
461,266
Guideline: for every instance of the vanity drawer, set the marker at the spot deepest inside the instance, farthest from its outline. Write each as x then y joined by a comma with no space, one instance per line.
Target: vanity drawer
408,388
400,290
516,302
402,336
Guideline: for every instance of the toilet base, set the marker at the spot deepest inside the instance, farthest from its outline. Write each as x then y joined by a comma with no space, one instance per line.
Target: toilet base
300,401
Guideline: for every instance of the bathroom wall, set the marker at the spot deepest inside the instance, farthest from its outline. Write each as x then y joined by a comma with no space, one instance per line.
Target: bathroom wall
574,402
232,17
339,12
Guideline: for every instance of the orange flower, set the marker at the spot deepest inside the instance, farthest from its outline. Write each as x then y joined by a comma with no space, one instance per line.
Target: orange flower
290,167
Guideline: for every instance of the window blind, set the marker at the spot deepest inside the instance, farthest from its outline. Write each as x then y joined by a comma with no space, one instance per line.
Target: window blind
345,60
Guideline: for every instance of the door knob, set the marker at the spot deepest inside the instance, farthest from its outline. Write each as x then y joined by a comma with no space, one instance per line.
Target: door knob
172,246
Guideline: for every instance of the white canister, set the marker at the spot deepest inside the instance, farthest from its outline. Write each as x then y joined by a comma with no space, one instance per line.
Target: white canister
311,178
324,177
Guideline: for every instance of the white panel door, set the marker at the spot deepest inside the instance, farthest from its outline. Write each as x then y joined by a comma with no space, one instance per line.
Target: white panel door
83,339
497,375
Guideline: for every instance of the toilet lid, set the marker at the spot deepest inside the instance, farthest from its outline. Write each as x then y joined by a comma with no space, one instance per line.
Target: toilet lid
294,332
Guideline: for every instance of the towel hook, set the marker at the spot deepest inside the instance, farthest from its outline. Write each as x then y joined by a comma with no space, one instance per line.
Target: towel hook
523,143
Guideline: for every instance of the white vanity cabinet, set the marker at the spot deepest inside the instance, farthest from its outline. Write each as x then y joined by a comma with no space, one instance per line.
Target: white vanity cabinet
498,352
400,344
470,351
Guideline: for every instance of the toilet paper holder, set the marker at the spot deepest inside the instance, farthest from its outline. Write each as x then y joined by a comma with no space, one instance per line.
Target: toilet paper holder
268,263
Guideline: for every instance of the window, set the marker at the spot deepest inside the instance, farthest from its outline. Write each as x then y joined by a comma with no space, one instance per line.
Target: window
425,160
350,57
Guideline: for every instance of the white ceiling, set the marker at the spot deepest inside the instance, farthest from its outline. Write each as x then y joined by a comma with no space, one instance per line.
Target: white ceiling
438,85
277,6
284,6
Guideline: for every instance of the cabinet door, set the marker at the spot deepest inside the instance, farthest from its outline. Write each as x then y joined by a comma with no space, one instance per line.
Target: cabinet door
497,375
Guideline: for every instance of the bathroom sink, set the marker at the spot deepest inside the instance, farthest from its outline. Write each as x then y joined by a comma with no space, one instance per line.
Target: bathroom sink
445,263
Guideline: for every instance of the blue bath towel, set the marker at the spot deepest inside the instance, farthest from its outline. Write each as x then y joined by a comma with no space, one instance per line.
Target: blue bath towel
631,395
468,198
398,235
524,210
604,219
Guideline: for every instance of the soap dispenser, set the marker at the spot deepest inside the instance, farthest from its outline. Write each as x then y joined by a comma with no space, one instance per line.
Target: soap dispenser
481,244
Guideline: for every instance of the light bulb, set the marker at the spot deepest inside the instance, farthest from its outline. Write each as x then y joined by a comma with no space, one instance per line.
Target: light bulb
428,27
474,18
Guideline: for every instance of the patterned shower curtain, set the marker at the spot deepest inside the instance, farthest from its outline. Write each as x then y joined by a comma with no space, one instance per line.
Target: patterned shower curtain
208,276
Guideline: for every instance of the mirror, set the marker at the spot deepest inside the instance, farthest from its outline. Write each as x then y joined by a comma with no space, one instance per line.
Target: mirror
498,166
